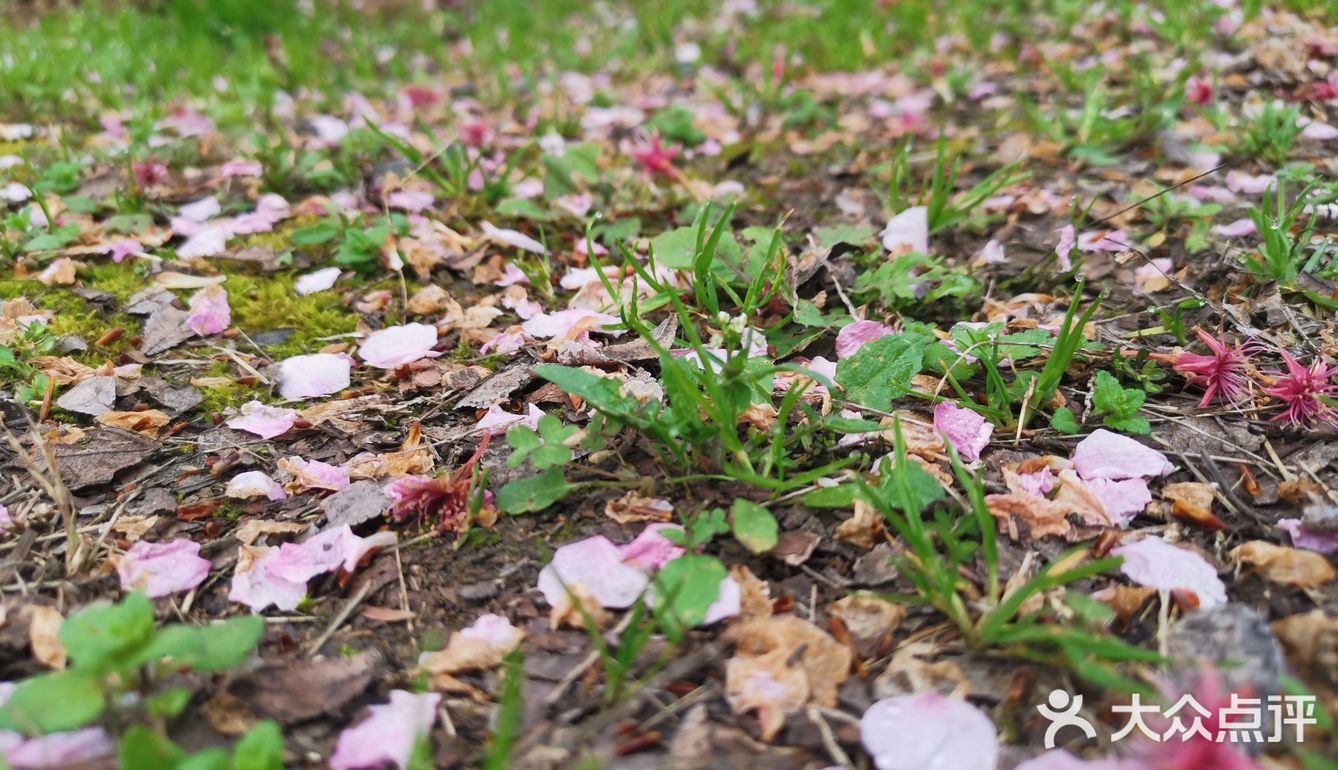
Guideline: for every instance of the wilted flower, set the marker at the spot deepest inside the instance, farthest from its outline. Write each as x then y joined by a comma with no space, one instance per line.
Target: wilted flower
656,159
446,502
1221,375
1305,392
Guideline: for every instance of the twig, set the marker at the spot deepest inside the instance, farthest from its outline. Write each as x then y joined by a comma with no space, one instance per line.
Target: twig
339,619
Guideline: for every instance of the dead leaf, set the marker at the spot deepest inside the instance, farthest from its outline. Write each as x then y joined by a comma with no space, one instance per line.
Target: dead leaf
386,614
61,272
782,664
479,647
1126,601
909,673
292,691
1193,502
170,279
1283,565
632,508
864,527
795,548
251,529
867,616
1043,517
94,396
44,635
148,422
755,601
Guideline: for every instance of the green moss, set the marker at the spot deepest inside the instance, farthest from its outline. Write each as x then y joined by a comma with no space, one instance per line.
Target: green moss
270,303
223,397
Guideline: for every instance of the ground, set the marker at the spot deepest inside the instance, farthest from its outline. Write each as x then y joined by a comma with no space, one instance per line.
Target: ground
610,385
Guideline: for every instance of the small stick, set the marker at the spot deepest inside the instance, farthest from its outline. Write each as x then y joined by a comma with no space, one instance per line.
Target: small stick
340,618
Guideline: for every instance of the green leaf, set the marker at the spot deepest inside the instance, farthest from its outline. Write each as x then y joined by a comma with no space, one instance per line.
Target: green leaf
754,526
603,394
260,749
321,232
105,637
687,586
533,493
49,703
880,371
1064,421
522,208
216,647
168,704
209,759
1136,425
143,749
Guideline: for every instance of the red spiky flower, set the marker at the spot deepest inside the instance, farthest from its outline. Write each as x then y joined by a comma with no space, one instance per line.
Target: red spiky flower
656,159
1221,375
1306,392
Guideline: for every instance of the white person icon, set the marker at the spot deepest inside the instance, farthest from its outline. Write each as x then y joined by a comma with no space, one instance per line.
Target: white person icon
1062,711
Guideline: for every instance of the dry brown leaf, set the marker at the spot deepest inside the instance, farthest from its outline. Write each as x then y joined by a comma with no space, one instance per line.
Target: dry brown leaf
134,528
755,599
1075,495
632,508
414,462
387,614
1311,643
428,300
61,272
867,616
1192,501
44,635
64,370
251,529
481,646
1283,565
782,664
1043,517
864,527
1126,601
170,279
577,609
908,673
148,422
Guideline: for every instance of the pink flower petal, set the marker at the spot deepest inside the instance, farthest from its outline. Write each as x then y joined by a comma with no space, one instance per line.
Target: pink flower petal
992,253
254,484
209,242
728,604
396,346
1152,274
560,324
854,336
159,569
1107,455
1123,500
595,565
202,210
314,474
496,630
333,549
388,735
1064,249
1249,184
651,550
1038,483
71,749
319,374
966,430
264,421
511,238
506,342
239,168
511,275
1319,131
318,280
412,201
1240,228
928,731
257,588
497,420
1311,540
1103,240
909,228
209,311
1155,563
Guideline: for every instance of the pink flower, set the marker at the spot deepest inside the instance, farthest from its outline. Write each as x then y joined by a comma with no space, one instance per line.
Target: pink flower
656,159
1303,391
1064,250
1220,374
149,172
1199,90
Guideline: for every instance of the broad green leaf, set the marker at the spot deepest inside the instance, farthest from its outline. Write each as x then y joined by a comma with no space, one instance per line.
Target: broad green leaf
49,703
1136,424
754,526
104,637
687,587
1064,421
533,493
880,371
260,749
602,393
143,749
208,759
168,704
216,647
